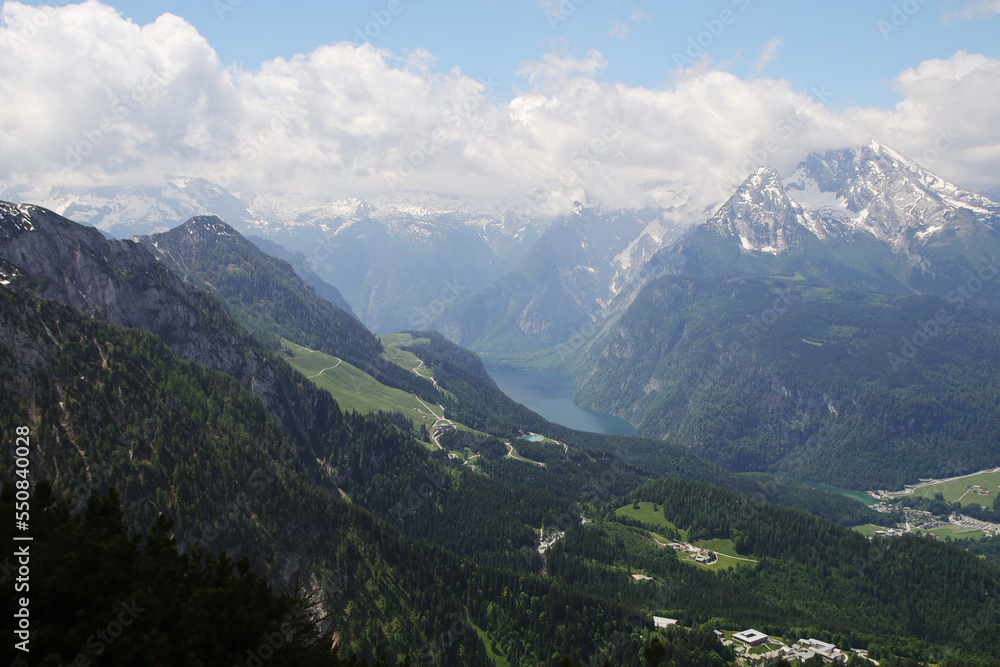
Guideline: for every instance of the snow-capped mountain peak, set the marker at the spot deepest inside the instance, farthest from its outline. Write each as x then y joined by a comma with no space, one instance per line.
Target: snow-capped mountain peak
878,191
761,216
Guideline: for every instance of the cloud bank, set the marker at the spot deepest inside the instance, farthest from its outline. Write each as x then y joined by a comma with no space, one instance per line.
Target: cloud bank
977,9
93,98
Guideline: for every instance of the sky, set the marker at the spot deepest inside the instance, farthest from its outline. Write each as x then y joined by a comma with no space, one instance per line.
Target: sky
591,99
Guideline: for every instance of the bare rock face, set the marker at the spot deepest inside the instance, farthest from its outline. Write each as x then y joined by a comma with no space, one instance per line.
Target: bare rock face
761,217
876,191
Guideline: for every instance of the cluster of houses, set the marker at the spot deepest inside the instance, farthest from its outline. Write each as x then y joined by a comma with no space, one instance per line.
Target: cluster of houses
800,651
698,555
807,649
882,507
968,522
925,521
889,532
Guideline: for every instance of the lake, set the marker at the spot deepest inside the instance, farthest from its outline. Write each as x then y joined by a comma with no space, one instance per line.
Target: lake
551,396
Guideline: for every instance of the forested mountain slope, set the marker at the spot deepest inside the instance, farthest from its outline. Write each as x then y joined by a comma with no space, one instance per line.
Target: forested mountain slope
264,294
859,390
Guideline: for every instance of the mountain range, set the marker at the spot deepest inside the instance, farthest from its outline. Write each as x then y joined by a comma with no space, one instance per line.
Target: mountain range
559,293
399,260
834,325
864,218
460,549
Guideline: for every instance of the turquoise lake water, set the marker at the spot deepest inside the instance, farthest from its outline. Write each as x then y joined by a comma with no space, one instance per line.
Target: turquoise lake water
551,395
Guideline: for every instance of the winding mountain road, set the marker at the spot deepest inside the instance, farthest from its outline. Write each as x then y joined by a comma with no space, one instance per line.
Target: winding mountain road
339,361
426,377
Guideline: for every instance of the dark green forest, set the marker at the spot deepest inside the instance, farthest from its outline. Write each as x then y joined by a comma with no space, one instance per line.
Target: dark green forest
856,390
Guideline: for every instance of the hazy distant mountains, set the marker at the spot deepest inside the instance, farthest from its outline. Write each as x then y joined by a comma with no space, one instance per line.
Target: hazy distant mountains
865,218
406,260
638,297
402,259
566,280
124,211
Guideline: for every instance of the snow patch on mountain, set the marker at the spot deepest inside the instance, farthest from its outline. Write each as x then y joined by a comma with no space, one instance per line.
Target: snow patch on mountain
761,216
877,191
16,217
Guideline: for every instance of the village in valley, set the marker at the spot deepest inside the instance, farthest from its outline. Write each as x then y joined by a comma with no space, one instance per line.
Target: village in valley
957,508
929,508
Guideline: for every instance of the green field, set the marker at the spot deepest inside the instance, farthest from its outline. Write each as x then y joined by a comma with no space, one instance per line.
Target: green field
957,490
725,548
354,389
955,532
728,558
646,514
661,539
766,648
394,343
868,529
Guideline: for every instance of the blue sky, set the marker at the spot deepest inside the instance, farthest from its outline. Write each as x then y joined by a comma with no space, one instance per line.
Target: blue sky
838,44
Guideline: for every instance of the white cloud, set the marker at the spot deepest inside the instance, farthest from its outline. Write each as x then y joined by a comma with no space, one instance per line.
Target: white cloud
949,118
554,68
978,9
130,103
640,15
768,54
621,29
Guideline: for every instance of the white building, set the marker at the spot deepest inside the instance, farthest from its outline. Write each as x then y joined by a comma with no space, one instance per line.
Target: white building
805,649
751,637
